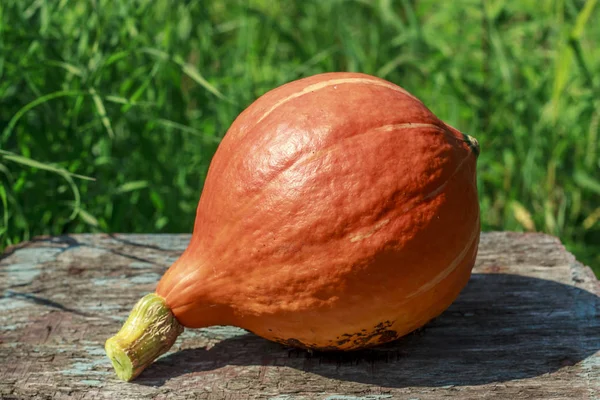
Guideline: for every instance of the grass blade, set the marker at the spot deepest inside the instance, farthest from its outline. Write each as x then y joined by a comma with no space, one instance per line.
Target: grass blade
68,176
88,218
41,100
195,75
522,216
187,69
587,182
140,90
582,19
39,165
4,227
102,112
187,129
68,67
131,186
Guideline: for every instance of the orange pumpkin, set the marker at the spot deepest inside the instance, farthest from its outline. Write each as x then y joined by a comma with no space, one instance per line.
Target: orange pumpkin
338,213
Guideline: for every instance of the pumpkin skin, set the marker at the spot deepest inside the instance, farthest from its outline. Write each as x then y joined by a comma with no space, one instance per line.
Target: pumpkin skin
338,213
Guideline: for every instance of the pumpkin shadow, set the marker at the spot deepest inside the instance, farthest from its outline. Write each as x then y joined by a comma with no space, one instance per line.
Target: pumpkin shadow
502,327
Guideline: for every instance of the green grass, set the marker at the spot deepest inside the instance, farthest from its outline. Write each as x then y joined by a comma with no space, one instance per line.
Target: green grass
138,94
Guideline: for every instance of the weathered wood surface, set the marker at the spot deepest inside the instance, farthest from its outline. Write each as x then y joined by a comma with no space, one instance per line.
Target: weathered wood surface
527,326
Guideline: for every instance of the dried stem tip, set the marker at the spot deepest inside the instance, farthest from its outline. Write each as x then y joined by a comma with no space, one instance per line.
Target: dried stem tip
150,331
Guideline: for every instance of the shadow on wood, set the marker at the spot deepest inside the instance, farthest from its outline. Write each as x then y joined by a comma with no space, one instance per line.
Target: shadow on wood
502,327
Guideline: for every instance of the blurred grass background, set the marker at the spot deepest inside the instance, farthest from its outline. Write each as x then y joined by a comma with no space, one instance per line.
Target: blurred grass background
138,94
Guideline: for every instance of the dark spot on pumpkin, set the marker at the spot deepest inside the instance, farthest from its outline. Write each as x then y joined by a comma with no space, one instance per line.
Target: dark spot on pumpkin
380,334
293,343
383,325
387,336
312,347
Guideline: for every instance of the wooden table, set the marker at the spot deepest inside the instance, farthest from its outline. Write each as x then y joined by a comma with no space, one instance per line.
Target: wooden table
526,326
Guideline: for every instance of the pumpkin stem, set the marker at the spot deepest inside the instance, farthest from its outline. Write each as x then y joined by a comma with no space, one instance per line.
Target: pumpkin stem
473,144
150,331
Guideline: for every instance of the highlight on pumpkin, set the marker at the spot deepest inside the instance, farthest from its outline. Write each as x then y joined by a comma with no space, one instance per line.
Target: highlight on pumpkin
338,213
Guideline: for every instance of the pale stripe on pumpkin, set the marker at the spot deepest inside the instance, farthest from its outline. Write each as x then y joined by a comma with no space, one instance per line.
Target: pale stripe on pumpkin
451,267
333,82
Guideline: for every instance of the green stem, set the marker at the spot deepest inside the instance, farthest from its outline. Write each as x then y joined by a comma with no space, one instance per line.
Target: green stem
150,331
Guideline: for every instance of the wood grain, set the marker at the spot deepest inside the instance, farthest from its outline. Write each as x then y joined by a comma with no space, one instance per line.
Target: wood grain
526,326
